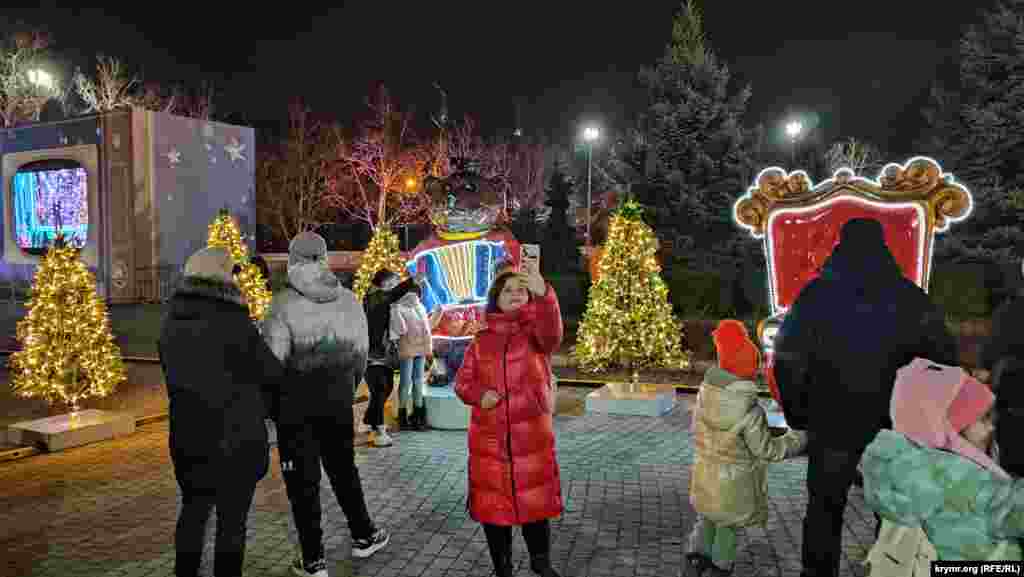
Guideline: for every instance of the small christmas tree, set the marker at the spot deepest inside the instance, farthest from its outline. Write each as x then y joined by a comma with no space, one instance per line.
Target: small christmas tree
224,233
629,321
68,352
381,253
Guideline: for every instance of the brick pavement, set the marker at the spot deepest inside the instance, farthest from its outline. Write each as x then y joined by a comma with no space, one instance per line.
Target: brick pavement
109,509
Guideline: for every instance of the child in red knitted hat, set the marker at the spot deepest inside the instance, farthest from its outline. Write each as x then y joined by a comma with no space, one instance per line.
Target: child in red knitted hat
732,442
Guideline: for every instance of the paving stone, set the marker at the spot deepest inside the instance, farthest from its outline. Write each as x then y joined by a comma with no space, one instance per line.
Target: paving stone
109,509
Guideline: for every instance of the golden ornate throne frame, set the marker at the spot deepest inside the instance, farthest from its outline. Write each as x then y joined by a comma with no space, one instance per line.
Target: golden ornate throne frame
799,222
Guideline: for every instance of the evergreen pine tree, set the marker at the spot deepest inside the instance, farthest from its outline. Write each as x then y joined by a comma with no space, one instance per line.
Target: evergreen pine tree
629,322
694,125
224,232
977,131
382,253
559,244
68,351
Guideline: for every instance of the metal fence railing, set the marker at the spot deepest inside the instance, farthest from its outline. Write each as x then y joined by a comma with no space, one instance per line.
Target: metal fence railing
155,284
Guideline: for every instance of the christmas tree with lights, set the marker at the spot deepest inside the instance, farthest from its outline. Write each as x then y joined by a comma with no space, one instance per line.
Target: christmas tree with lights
67,351
381,253
629,322
224,232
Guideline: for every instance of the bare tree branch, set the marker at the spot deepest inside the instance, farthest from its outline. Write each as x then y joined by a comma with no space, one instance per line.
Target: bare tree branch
862,158
370,172
22,97
110,89
290,178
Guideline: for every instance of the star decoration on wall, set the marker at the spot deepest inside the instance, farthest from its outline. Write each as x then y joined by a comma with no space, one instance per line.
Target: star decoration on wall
173,157
235,150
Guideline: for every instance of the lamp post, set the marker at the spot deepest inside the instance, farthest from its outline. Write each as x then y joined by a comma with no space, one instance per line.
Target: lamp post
590,135
794,129
410,186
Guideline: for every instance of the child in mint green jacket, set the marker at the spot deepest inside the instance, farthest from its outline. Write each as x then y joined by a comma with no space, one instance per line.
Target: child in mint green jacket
932,470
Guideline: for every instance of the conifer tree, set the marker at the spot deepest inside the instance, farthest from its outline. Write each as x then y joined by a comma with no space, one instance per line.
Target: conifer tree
68,351
382,253
977,132
224,232
695,132
629,321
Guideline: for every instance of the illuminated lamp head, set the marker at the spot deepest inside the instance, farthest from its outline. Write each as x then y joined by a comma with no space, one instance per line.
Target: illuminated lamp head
464,205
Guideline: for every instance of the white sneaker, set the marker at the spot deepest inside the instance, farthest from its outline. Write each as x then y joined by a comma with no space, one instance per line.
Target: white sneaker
363,548
381,437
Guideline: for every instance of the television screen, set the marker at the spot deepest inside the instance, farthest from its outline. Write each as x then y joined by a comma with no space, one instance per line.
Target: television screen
48,194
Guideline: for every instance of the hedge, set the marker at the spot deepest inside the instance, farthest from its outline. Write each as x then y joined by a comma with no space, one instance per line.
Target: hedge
961,291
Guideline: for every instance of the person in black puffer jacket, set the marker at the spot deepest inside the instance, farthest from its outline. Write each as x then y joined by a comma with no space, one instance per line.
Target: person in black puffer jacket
385,290
220,378
318,329
836,357
1003,357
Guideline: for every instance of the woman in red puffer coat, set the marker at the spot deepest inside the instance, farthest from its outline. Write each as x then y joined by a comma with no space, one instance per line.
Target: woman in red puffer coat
506,379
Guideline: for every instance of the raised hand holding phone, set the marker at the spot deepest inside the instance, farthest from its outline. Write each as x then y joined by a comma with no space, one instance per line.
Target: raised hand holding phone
535,282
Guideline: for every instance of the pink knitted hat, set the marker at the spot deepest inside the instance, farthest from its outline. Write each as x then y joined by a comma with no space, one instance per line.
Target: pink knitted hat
928,398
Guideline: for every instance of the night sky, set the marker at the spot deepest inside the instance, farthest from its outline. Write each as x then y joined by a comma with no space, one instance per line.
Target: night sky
862,70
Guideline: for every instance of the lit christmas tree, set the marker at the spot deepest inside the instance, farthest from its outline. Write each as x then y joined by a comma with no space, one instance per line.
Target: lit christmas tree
381,253
224,233
68,352
629,322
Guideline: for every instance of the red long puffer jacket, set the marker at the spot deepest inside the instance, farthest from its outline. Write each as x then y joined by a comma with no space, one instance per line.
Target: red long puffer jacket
513,471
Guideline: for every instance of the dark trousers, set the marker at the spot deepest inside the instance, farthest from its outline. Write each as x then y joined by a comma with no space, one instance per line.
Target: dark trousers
830,473
380,380
1009,428
302,447
499,541
232,505
453,359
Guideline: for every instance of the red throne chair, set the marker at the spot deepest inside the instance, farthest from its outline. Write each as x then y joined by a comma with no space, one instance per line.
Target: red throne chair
800,223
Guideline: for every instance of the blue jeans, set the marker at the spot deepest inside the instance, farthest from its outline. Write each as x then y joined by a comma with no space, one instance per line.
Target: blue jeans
410,375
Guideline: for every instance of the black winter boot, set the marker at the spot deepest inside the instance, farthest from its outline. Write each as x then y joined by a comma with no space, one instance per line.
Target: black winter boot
403,420
419,417
541,565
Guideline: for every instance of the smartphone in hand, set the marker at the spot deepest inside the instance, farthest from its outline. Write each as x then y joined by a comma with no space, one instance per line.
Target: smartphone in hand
530,256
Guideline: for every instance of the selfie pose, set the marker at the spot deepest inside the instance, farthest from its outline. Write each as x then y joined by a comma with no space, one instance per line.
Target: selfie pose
506,379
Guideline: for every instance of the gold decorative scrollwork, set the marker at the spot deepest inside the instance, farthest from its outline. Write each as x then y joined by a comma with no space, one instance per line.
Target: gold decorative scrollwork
920,180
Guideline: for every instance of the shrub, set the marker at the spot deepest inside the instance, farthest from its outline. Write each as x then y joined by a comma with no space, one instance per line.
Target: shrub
572,291
961,292
697,294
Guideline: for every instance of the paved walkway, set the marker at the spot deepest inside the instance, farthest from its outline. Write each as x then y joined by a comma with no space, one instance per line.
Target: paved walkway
109,509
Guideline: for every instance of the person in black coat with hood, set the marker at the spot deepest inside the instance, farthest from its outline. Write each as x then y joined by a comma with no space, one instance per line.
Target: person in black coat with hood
220,377
1003,357
836,357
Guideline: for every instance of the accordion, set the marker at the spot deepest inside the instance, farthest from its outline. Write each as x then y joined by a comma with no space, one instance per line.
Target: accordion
458,274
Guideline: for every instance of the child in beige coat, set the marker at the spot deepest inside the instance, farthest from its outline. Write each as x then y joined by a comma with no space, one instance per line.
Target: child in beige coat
733,444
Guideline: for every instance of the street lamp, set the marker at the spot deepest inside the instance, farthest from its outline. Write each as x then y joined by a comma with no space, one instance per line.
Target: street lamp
590,135
794,129
41,78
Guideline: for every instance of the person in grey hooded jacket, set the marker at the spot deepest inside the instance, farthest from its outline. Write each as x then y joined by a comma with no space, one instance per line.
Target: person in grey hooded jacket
318,330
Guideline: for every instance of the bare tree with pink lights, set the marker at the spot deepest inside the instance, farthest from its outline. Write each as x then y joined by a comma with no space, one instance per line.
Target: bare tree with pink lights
375,177
290,177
